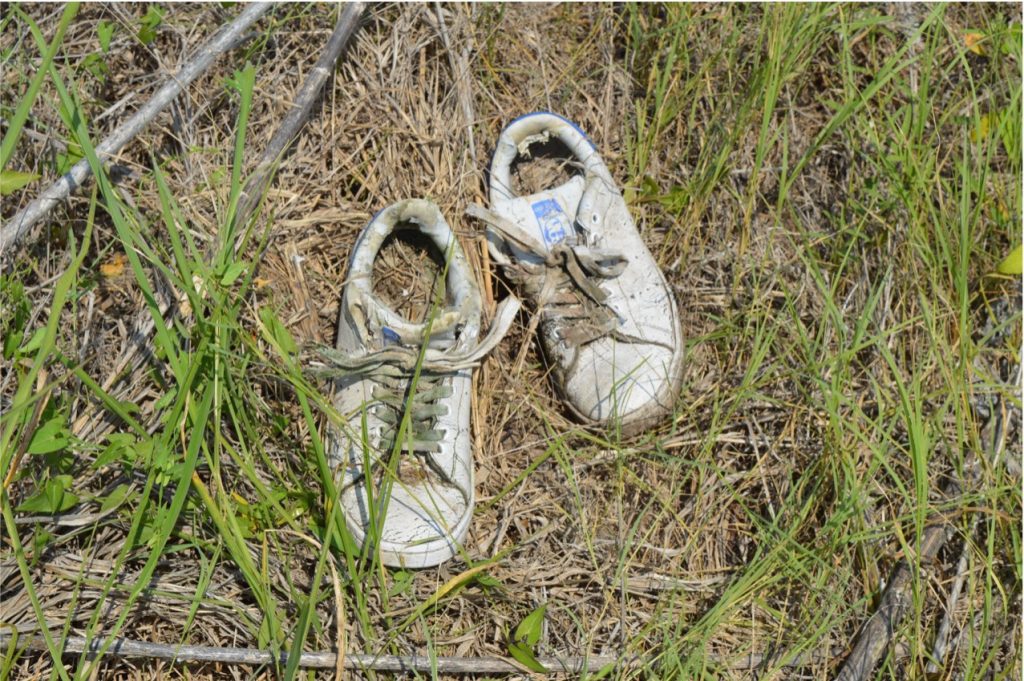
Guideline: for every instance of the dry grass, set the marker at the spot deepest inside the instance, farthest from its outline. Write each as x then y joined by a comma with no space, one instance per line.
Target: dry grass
761,518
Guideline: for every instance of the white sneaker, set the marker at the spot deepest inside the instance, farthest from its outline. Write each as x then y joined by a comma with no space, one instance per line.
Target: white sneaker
416,496
608,322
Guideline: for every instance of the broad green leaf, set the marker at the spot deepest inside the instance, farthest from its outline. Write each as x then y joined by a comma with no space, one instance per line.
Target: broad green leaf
402,582
526,636
16,309
529,629
33,343
53,498
122,439
52,436
96,65
489,582
233,271
72,155
149,23
66,161
12,339
456,582
105,31
524,655
61,461
144,452
116,497
109,455
1011,264
244,80
13,180
121,447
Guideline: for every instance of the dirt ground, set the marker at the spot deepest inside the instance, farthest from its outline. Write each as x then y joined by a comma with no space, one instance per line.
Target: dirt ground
652,546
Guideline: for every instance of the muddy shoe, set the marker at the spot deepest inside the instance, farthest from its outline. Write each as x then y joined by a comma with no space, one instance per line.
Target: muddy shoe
405,452
608,323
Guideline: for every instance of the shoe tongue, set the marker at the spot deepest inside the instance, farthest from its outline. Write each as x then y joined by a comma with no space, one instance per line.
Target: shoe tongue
388,328
549,216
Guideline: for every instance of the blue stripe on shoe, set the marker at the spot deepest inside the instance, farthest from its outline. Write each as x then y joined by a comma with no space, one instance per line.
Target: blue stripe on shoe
560,117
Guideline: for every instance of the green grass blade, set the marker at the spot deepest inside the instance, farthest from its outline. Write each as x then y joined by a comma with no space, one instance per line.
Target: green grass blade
21,112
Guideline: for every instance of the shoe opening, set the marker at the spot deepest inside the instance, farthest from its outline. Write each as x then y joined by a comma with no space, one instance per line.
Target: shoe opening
408,274
545,165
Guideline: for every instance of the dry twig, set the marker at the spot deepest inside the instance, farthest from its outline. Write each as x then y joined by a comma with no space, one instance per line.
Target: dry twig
299,112
573,664
320,660
881,627
13,231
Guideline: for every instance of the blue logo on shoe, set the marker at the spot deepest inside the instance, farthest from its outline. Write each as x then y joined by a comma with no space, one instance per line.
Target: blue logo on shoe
391,336
554,223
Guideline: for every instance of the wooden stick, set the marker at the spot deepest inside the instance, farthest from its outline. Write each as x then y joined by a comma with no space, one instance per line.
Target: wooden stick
942,633
318,660
875,636
13,231
253,190
572,664
299,113
878,632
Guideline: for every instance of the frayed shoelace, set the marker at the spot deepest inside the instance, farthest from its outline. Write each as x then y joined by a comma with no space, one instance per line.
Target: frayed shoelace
564,285
393,369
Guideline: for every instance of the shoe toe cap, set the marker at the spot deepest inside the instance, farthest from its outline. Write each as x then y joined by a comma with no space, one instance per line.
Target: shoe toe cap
423,526
623,384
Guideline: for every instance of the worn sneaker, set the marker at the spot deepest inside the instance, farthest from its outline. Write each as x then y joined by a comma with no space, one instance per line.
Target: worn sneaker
608,320
405,452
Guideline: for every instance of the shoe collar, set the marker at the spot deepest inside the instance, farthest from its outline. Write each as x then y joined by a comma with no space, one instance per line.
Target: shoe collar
540,127
377,323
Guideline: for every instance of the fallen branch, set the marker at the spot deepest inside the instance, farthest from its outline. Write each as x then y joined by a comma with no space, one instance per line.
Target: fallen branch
319,660
16,228
942,635
879,630
881,627
296,117
299,113
572,664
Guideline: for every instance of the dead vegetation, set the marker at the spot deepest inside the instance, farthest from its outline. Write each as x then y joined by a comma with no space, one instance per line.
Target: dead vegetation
760,521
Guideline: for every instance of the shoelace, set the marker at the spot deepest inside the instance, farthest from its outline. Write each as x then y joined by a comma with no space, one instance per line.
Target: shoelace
423,413
393,368
564,285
